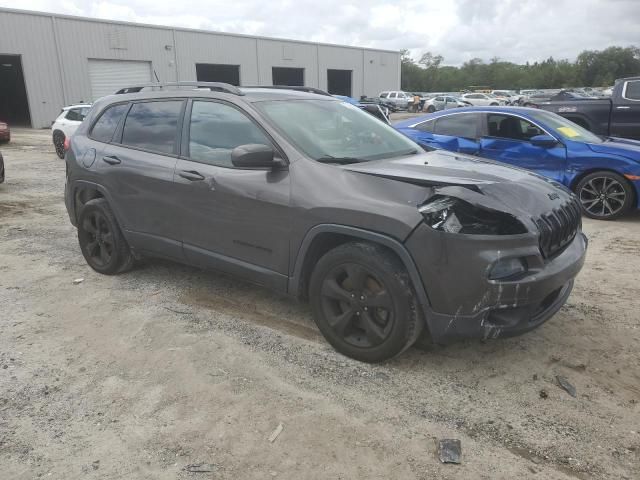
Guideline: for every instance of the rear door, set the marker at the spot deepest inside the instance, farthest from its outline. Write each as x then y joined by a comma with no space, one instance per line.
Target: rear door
506,139
137,169
231,219
457,132
625,116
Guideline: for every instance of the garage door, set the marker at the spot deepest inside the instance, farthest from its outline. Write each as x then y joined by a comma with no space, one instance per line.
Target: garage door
107,76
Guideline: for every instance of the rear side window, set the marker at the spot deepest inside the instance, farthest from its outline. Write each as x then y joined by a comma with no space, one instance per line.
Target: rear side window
153,126
216,129
106,125
459,125
632,90
75,115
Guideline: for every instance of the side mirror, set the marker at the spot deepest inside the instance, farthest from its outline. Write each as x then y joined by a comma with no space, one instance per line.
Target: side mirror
543,141
253,155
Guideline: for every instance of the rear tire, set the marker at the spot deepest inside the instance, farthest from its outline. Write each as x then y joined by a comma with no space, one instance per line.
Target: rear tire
58,143
363,302
605,195
431,109
101,241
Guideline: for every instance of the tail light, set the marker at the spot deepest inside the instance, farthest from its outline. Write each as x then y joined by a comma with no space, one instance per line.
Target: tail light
67,144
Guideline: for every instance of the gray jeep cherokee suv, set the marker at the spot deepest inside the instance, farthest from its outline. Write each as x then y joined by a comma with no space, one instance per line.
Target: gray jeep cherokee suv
311,196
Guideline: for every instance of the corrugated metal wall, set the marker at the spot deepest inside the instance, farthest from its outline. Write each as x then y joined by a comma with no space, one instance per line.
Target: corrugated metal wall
56,51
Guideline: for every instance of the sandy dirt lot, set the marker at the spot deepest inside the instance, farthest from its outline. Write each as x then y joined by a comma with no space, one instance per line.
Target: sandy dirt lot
139,376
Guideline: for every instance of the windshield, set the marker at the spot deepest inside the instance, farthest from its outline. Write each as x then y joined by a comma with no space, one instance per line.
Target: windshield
565,128
329,130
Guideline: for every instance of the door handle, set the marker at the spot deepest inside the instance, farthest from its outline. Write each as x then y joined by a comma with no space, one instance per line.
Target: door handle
191,175
622,107
111,160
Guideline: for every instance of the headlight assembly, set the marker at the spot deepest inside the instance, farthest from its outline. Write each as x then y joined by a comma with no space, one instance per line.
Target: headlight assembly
450,214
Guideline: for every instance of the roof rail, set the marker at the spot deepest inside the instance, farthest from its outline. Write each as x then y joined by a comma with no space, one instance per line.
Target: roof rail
297,88
213,86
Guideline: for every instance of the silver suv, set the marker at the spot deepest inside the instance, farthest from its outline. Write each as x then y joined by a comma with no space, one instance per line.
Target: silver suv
400,99
310,196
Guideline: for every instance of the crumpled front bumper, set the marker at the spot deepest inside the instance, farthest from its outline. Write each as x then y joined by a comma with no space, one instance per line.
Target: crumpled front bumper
464,303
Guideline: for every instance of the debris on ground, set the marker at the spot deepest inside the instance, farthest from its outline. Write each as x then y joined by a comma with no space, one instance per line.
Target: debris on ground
200,467
276,432
544,394
78,281
566,385
449,450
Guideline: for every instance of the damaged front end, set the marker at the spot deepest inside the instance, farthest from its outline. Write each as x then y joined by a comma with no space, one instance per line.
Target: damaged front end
492,270
498,247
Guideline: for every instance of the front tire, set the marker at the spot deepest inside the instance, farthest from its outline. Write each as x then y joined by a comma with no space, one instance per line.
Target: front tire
101,241
363,302
605,195
58,143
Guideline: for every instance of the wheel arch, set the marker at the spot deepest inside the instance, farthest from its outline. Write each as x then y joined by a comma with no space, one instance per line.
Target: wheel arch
322,238
84,191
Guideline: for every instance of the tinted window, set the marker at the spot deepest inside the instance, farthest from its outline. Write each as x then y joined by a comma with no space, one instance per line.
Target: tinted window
216,129
153,126
425,126
392,95
632,91
463,125
76,114
383,95
106,125
439,99
515,128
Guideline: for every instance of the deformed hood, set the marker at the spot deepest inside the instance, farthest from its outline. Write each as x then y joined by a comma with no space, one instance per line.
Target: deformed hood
485,182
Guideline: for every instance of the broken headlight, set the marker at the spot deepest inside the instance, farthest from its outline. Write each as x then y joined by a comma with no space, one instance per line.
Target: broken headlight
450,214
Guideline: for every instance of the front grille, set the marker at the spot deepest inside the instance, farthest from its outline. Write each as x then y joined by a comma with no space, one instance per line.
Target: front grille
558,227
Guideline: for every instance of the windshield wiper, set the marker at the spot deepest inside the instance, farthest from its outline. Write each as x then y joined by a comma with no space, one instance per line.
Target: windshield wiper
339,160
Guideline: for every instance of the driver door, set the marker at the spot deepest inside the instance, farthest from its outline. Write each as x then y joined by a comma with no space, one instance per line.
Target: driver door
506,139
233,219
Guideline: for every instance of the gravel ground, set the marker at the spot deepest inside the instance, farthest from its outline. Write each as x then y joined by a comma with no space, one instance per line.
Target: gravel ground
141,375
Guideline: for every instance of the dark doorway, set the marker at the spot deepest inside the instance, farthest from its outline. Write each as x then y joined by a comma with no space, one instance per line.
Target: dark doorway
339,82
14,107
210,72
293,77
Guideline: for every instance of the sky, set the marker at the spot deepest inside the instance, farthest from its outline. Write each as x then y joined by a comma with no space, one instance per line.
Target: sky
512,30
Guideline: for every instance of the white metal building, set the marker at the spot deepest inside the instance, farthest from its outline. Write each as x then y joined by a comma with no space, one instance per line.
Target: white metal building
48,61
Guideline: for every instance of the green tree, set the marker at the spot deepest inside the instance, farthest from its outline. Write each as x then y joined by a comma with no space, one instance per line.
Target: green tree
591,68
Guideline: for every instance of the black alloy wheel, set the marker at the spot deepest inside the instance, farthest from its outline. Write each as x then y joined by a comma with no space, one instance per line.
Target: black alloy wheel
357,305
363,302
101,241
604,195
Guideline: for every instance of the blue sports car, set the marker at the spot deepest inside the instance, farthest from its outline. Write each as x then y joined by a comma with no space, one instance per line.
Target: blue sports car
604,172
